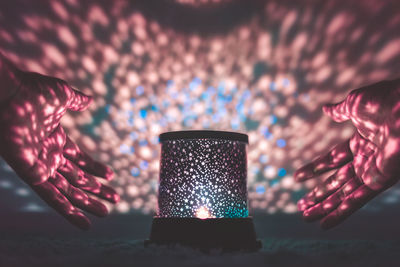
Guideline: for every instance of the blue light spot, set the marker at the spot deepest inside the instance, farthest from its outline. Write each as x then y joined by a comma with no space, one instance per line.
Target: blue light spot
215,118
133,100
188,122
144,165
155,140
163,121
255,170
133,136
221,88
242,117
211,90
260,189
143,113
194,83
124,149
174,95
273,119
135,171
154,108
281,142
165,103
272,86
197,80
143,142
281,172
286,82
170,83
108,108
204,96
266,133
246,94
235,123
139,90
206,124
130,122
263,159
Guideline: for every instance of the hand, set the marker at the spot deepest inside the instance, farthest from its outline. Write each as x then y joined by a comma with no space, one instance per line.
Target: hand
35,145
366,164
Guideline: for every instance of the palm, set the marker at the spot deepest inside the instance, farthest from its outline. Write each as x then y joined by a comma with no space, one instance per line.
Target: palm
366,164
37,148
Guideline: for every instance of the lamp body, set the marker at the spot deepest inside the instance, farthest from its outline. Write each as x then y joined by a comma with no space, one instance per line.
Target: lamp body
202,199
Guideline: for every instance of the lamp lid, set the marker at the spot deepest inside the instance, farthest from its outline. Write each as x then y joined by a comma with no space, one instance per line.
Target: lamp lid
204,134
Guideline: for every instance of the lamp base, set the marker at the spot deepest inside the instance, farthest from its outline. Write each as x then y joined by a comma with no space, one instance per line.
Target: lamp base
225,233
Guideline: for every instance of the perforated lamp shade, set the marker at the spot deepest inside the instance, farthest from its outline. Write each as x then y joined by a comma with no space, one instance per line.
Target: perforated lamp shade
203,177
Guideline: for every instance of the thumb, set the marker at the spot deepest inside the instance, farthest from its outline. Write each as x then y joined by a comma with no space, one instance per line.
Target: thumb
79,101
338,112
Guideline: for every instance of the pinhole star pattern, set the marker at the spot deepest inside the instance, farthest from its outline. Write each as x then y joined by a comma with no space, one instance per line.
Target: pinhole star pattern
203,178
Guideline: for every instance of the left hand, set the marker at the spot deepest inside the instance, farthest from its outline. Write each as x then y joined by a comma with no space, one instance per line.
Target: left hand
35,145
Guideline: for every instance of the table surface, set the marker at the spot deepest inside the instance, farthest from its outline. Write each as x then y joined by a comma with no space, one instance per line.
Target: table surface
43,239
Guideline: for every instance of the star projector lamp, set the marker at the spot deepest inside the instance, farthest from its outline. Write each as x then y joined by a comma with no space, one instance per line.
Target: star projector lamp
202,199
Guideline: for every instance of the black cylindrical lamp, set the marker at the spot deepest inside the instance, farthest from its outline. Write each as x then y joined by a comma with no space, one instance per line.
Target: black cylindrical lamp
202,199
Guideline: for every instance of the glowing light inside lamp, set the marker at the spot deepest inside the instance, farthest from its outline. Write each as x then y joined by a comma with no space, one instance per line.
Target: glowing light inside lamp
203,213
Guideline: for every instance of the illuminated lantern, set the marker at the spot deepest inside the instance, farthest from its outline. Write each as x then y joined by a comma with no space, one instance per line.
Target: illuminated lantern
202,199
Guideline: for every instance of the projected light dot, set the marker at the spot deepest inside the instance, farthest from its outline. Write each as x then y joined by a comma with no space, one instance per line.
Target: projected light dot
263,159
281,142
143,113
260,189
144,165
273,119
281,172
135,171
139,90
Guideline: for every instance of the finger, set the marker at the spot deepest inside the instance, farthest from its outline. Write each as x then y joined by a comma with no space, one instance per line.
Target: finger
78,101
350,204
327,188
332,202
337,157
85,162
87,182
53,197
338,112
77,197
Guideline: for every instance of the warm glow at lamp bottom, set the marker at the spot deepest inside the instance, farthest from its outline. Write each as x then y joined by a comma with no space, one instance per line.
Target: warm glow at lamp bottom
203,213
